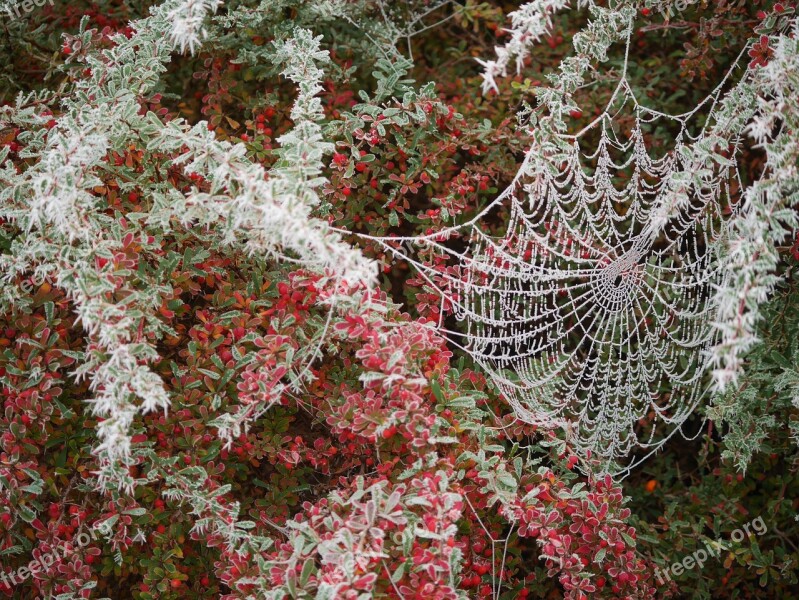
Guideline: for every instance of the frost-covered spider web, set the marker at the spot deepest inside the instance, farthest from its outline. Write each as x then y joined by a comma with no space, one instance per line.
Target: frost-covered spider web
585,313
593,311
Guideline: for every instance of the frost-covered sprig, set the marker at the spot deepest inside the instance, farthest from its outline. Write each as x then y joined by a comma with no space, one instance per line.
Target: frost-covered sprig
768,214
302,148
188,22
606,27
116,364
270,215
52,202
271,211
217,519
60,187
529,24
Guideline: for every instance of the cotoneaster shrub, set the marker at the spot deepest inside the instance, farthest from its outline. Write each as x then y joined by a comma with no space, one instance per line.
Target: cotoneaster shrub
247,402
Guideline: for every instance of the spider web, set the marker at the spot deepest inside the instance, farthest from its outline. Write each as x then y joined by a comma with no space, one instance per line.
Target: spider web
594,311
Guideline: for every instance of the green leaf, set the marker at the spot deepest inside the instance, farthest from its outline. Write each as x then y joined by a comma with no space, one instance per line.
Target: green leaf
212,374
135,512
398,573
436,387
308,569
49,309
26,514
780,359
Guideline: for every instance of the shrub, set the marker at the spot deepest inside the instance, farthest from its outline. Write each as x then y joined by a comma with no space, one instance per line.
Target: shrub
212,360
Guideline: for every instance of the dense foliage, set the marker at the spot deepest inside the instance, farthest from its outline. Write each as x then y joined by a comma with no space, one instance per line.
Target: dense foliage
202,360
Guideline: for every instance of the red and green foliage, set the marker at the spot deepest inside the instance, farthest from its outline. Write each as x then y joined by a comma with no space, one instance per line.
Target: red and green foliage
385,465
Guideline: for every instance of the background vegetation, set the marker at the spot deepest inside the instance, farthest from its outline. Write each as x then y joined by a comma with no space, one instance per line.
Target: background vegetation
385,465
